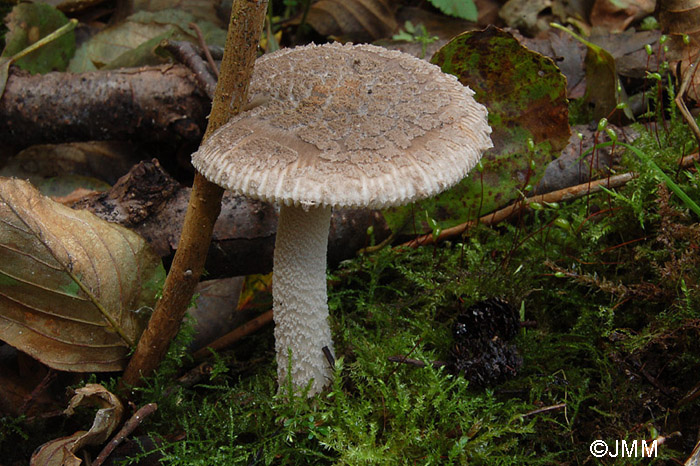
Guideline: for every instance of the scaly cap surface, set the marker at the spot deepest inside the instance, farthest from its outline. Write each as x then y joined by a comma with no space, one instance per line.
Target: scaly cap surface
347,126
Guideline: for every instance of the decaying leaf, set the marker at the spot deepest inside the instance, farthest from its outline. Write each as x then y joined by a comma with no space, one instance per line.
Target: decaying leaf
73,288
200,9
29,22
59,169
617,15
525,15
133,42
356,20
680,19
525,95
61,451
604,92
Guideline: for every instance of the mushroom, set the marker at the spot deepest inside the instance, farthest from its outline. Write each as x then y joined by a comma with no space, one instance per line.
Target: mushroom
338,126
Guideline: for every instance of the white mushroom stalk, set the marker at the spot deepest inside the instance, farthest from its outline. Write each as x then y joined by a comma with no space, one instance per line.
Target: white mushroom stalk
299,297
339,126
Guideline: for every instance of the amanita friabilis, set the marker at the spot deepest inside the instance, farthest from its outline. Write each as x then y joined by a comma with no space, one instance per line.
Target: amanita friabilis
339,126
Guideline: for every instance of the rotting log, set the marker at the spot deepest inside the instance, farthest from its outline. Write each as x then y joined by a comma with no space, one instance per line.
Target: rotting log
158,103
153,204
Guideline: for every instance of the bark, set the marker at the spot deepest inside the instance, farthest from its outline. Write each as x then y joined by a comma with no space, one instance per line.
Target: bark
245,27
153,204
161,103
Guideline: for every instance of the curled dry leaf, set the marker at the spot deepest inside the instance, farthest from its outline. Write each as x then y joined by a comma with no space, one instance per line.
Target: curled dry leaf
71,285
61,451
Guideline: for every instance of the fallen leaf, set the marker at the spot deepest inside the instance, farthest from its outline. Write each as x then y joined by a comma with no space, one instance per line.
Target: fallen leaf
617,15
201,9
27,23
604,92
59,169
354,20
680,18
134,41
216,310
567,53
73,288
61,451
525,95
525,15
629,50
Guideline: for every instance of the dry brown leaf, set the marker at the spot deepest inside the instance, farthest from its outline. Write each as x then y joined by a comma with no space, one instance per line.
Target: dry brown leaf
354,20
525,15
679,18
71,285
61,451
617,15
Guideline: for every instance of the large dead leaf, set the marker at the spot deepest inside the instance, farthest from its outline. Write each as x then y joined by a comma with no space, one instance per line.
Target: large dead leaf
61,452
71,285
133,41
525,95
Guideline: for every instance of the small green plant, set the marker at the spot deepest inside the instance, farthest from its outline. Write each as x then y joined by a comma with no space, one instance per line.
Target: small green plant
415,34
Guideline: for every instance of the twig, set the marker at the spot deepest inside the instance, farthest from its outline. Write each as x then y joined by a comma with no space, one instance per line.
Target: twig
414,362
329,356
142,413
687,116
205,49
234,335
245,28
544,410
498,216
39,389
566,194
187,54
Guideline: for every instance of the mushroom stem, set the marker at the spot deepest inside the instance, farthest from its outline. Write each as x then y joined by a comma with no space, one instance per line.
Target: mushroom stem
299,297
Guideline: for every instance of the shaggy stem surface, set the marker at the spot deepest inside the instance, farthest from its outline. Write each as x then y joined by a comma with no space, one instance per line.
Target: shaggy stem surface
299,297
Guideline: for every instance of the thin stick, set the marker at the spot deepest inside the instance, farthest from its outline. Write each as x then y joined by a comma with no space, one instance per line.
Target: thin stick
234,335
186,53
142,413
680,102
566,194
545,409
205,49
245,28
498,216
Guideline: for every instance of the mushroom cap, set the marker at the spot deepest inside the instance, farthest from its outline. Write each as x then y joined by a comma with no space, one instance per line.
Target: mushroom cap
347,126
